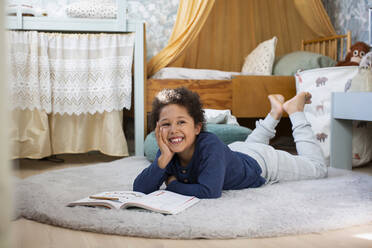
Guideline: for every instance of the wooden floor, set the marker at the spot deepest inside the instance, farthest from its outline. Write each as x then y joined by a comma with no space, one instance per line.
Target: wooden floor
31,234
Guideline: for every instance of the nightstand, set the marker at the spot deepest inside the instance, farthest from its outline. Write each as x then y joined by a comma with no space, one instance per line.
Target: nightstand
347,107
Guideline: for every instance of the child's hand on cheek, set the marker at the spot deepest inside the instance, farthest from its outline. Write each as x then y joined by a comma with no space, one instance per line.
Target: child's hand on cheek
166,153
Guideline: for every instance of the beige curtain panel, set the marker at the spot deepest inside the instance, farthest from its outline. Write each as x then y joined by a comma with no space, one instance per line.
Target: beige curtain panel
68,92
36,134
233,28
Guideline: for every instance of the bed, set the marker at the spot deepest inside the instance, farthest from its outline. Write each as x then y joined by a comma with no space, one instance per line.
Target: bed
246,95
250,37
75,131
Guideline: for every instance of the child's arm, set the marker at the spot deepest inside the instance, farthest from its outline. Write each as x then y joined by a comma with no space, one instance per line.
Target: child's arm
210,180
150,178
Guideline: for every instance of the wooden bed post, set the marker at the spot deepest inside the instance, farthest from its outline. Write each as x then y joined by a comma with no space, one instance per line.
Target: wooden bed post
348,41
334,50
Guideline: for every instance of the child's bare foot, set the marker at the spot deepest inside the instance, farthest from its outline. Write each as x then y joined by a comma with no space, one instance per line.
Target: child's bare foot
276,102
297,103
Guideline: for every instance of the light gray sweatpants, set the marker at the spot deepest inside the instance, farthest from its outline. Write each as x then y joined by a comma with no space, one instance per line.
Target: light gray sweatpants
280,165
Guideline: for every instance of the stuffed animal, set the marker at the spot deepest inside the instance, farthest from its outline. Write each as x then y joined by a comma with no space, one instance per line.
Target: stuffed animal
362,81
366,61
354,56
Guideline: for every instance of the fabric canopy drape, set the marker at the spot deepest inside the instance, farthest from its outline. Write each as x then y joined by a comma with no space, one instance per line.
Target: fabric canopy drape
315,16
191,16
235,27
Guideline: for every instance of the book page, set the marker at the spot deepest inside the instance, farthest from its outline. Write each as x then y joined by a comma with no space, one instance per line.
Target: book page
122,198
164,201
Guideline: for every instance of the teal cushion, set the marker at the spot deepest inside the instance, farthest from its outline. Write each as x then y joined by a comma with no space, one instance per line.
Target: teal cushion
226,132
289,64
151,146
229,133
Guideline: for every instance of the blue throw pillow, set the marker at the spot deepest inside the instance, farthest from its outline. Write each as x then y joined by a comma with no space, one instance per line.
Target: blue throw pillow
226,132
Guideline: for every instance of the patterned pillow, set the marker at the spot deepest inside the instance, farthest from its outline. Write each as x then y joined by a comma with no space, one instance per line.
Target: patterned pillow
92,9
260,61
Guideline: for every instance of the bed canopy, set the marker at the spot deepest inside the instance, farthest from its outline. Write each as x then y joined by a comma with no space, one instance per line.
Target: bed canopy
219,34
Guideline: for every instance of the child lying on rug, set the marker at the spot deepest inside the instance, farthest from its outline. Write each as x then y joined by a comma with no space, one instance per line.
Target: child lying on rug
194,162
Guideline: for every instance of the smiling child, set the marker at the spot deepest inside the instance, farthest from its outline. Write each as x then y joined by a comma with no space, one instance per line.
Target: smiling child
191,161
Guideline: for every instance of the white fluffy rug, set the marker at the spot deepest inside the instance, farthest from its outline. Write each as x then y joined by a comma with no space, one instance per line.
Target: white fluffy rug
343,199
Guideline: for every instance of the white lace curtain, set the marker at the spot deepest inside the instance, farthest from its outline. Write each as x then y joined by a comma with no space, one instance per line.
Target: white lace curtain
70,73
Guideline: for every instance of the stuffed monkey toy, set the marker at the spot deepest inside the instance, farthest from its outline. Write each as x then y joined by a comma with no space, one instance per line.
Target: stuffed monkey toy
354,56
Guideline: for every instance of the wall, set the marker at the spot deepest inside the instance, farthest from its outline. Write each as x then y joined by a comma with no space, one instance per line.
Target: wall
350,15
159,16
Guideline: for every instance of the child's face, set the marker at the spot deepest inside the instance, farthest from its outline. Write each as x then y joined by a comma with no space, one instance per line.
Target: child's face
179,129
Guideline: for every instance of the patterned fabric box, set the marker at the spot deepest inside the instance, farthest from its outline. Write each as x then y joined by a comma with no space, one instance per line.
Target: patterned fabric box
320,83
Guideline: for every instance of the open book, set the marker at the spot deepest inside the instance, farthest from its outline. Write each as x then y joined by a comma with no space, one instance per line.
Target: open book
161,201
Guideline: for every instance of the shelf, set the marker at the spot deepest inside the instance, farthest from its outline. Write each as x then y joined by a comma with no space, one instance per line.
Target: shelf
352,106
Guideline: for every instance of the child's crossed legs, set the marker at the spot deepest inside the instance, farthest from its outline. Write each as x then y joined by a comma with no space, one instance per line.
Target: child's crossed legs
279,165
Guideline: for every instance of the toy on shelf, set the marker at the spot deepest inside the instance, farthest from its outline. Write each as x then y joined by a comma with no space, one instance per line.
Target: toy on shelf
355,55
362,81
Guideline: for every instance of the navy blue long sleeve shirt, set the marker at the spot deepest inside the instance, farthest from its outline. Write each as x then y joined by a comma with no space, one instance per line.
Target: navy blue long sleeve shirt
213,168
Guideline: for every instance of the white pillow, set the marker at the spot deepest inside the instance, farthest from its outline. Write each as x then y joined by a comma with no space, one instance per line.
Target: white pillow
260,61
189,73
92,9
220,116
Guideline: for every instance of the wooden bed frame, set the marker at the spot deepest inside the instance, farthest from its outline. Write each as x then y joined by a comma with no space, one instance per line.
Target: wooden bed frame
236,94
245,96
215,94
332,46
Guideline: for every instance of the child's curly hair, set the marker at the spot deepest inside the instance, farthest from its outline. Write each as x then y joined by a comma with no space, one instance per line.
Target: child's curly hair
180,96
